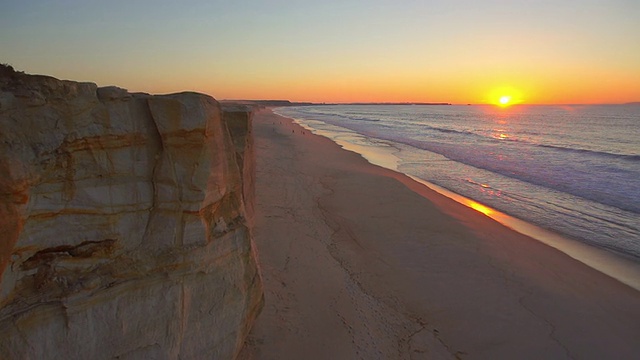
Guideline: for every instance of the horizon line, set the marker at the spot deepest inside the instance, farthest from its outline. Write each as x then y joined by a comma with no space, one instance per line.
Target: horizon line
426,103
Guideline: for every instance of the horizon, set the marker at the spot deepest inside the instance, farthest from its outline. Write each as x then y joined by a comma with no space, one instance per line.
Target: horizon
459,52
429,103
311,103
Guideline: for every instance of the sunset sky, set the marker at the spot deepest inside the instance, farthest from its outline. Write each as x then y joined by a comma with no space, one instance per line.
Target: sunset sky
336,51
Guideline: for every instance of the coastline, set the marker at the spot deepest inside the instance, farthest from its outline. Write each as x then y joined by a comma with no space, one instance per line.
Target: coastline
362,262
582,189
617,265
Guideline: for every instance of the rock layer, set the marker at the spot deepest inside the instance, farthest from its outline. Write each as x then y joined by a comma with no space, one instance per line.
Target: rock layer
124,222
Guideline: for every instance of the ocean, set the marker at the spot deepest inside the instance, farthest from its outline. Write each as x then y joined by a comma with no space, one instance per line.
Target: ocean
572,169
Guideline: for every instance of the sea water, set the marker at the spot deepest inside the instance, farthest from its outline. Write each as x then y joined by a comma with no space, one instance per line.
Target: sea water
574,169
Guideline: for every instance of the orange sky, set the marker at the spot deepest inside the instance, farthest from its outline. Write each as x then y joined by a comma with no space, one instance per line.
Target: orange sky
337,51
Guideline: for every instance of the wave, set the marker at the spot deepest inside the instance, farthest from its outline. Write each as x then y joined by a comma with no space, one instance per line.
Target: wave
423,127
594,152
325,116
566,178
358,118
476,135
629,157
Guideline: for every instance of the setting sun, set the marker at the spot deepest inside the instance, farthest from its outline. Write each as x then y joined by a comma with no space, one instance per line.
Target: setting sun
505,100
504,96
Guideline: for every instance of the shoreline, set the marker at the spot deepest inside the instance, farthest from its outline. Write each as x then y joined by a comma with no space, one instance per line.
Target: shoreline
619,266
359,261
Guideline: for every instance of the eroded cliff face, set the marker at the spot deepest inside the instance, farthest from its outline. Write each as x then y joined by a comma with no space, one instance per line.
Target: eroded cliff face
123,224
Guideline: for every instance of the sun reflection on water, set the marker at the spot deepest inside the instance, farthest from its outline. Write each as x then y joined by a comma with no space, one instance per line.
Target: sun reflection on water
478,207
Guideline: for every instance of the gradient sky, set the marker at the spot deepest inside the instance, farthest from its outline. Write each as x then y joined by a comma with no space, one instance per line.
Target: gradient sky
336,51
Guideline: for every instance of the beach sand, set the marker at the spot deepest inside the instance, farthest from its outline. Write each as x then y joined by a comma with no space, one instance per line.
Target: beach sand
360,262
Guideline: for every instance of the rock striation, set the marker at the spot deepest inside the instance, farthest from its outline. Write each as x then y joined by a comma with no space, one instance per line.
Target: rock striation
124,222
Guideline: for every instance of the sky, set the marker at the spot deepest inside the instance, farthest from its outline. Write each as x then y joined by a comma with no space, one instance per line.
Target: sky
458,51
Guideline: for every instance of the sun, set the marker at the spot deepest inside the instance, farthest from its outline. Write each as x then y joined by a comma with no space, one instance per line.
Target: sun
504,100
504,96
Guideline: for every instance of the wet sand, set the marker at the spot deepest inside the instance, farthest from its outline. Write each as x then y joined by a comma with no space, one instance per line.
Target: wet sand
360,262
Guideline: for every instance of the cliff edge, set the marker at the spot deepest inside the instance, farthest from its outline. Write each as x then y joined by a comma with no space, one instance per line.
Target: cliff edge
124,224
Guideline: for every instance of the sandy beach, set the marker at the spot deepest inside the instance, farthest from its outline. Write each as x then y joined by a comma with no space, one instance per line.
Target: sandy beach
360,262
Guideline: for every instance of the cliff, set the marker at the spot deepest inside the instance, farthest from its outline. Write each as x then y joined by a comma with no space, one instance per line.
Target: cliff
124,223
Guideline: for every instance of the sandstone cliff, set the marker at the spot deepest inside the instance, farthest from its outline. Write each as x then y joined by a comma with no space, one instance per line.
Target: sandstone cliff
123,224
